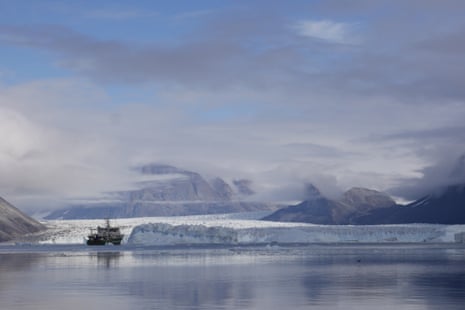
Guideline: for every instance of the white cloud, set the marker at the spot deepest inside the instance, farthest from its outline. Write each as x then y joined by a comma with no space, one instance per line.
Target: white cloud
63,139
66,138
19,137
327,30
233,94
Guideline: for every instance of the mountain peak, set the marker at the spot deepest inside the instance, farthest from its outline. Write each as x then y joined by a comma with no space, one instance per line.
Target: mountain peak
244,187
311,192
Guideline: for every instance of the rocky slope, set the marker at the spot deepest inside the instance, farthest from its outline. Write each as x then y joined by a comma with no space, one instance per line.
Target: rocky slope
357,202
14,223
353,204
315,209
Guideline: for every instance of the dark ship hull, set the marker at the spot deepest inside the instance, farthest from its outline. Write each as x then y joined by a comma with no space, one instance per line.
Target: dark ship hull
105,235
95,240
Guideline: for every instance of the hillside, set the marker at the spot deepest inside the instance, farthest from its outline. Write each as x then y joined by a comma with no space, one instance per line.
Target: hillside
367,207
317,209
353,204
14,223
447,207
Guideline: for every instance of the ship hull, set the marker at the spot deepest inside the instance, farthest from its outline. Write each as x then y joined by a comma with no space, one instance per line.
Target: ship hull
96,242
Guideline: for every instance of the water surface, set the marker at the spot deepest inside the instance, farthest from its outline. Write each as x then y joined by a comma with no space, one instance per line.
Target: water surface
409,276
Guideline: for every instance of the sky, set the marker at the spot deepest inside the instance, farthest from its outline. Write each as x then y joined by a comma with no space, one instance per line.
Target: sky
283,93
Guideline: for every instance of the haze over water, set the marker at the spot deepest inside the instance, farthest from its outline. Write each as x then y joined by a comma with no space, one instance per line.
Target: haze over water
401,276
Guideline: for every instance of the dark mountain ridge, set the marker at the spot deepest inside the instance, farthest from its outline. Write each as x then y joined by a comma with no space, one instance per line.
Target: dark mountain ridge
447,207
318,209
360,206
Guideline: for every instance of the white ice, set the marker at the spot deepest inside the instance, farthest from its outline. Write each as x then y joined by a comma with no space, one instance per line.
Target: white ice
243,228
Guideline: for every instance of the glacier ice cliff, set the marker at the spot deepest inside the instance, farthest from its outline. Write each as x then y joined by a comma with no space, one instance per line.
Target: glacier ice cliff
167,234
242,228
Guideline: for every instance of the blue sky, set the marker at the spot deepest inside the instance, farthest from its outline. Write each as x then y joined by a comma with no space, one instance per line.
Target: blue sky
337,93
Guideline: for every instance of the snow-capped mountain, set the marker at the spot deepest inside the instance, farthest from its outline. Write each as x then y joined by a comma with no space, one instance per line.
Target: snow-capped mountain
170,191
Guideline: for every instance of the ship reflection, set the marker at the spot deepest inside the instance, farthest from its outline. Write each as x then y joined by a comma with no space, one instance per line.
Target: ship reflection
108,259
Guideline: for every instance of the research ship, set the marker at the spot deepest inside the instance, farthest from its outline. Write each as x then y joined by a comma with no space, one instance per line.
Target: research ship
105,235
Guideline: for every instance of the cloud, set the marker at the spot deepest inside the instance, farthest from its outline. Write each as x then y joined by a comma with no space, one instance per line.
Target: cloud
333,32
71,141
226,51
114,61
334,97
259,50
52,148
58,146
449,169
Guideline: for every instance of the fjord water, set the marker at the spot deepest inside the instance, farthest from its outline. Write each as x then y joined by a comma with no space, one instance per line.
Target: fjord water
347,276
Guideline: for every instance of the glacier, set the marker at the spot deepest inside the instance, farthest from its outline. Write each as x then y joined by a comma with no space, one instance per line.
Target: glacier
242,229
167,234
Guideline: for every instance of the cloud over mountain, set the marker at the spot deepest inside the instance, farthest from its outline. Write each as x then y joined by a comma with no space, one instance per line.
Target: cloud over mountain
283,94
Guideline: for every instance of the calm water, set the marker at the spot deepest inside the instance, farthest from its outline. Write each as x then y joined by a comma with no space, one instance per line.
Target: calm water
306,277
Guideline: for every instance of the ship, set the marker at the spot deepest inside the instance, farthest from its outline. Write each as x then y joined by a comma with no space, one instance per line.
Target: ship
105,235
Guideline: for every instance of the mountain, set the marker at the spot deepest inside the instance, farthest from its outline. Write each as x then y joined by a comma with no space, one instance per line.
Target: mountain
171,191
447,207
361,206
318,209
14,223
315,209
361,201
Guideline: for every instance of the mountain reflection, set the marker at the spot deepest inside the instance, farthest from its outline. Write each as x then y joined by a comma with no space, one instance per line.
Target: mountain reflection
255,278
446,286
193,286
18,261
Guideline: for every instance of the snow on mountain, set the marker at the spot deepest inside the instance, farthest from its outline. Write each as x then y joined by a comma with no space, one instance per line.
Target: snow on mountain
242,229
168,191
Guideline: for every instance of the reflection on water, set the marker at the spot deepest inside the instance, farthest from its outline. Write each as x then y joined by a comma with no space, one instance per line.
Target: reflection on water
108,259
316,277
17,262
449,285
